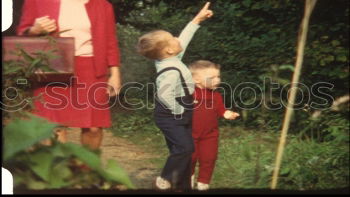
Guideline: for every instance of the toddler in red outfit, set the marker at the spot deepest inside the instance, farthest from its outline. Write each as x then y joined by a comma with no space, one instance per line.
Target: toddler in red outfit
208,107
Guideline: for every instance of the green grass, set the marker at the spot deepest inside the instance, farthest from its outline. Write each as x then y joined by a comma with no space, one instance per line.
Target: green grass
246,157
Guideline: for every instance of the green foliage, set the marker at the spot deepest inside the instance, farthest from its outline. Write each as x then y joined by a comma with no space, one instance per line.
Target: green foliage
311,165
135,68
246,157
27,132
252,40
328,49
246,160
158,17
35,166
255,41
19,75
27,63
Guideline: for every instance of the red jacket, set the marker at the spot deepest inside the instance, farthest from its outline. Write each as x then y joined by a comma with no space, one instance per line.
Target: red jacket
103,28
208,108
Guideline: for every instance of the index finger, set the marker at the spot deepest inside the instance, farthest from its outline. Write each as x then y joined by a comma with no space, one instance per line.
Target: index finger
206,6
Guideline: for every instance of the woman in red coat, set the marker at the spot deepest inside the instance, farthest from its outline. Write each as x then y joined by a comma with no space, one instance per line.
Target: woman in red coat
85,102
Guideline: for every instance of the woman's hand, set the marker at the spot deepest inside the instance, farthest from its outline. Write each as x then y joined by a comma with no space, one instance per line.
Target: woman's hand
42,25
114,82
203,15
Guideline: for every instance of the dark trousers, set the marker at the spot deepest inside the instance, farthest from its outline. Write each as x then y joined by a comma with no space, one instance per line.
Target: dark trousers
178,135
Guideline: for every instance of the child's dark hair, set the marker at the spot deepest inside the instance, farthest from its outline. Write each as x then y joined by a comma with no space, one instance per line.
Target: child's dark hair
203,64
151,44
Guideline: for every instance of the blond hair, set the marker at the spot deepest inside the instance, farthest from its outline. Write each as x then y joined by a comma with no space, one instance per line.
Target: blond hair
151,44
201,65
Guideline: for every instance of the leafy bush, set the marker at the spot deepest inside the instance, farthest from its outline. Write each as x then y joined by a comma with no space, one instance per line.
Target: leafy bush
255,41
135,68
252,40
18,77
35,166
246,161
311,165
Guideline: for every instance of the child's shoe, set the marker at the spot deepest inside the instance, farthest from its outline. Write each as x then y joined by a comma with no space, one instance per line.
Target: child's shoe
192,182
202,186
162,184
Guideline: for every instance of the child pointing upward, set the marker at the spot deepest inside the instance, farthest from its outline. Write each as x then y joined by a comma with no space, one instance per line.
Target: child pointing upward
174,101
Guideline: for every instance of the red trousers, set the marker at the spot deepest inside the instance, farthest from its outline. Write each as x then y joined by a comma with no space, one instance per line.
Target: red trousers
206,151
205,132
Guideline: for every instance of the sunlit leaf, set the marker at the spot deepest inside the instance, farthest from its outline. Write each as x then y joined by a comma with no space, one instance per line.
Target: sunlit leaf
41,163
114,172
90,158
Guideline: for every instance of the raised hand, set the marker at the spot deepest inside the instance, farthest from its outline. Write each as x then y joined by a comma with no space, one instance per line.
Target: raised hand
203,14
43,25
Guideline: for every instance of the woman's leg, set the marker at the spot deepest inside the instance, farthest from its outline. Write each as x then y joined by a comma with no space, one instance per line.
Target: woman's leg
92,137
61,135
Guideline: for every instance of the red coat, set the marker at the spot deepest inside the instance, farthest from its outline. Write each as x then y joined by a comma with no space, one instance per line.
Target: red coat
208,108
103,28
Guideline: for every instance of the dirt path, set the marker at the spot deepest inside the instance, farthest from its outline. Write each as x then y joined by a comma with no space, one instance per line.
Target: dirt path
131,157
